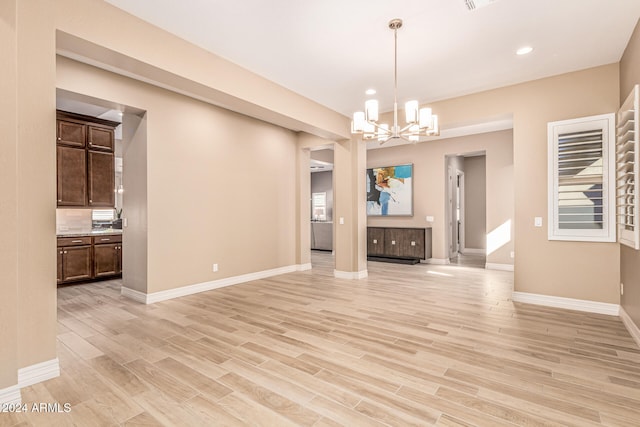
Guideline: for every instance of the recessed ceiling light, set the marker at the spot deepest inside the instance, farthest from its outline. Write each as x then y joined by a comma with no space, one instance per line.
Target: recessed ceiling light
370,92
524,50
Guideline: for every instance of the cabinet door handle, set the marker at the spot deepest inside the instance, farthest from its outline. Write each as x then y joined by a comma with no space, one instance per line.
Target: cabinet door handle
105,240
59,139
76,241
90,143
393,242
65,252
90,201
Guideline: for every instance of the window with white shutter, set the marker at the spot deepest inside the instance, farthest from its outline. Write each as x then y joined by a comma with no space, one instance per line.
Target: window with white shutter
627,171
582,179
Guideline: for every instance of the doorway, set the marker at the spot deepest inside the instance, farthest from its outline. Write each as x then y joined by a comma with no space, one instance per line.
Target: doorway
466,209
321,220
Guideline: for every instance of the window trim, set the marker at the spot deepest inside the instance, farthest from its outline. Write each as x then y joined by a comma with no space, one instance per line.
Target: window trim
608,231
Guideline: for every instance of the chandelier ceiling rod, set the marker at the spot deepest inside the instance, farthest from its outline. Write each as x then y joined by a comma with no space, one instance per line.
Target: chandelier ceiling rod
394,24
420,121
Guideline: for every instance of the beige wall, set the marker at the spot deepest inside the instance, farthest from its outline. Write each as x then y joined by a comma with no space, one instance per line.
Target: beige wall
220,186
475,202
27,211
588,271
8,208
135,180
325,155
350,238
630,258
429,198
36,189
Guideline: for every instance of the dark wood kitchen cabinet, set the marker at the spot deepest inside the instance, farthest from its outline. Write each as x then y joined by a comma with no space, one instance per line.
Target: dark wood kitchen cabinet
72,176
74,259
73,134
408,245
101,179
87,258
85,161
107,256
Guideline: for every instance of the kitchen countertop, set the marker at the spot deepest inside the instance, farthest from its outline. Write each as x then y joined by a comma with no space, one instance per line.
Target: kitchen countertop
88,233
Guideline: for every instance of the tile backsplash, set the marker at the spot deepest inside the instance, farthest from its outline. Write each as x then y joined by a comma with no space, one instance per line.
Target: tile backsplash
73,220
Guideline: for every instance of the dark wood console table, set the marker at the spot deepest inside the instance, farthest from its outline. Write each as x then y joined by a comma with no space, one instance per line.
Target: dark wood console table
401,245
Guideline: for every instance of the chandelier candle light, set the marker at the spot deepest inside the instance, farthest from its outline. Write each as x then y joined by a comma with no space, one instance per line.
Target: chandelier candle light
420,121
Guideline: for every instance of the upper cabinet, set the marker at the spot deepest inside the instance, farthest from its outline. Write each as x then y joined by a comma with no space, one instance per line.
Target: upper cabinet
100,138
72,133
72,176
85,161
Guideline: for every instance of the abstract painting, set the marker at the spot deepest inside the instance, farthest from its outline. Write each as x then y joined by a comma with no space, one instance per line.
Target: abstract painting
390,191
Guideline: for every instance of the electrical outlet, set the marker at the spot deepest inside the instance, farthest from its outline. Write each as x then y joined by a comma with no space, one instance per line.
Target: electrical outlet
513,254
215,267
430,218
341,220
621,288
537,221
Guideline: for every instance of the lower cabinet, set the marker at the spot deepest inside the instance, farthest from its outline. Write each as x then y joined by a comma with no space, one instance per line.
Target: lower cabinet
375,241
86,258
394,243
106,260
74,259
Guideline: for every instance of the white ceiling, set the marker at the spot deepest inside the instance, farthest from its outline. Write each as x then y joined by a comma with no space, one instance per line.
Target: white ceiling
331,51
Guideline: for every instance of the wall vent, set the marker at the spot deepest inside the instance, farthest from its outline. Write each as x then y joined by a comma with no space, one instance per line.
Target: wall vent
477,4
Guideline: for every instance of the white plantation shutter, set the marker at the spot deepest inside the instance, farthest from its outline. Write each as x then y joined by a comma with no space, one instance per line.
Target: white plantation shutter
581,182
627,171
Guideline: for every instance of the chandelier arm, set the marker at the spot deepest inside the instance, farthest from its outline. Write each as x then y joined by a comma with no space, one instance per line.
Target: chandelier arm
407,127
377,127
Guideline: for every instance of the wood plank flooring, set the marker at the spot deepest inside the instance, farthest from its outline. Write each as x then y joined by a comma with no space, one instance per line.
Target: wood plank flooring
410,345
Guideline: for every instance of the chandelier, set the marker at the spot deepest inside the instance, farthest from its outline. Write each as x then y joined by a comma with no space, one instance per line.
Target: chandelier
420,121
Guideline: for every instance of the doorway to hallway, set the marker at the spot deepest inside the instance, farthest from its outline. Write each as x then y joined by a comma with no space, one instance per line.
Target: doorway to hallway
466,209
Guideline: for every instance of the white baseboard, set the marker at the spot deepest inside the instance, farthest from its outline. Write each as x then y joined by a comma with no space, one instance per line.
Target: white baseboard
28,376
203,287
303,267
10,396
567,303
470,251
441,261
134,295
495,266
633,329
39,372
350,275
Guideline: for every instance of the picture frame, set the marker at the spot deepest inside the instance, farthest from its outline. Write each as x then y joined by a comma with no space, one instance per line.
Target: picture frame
390,190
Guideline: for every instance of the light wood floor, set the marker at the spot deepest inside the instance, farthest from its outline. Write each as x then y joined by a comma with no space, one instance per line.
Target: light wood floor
410,345
469,260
